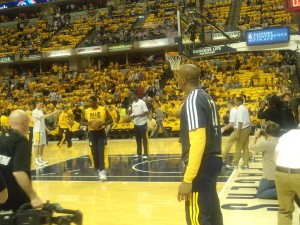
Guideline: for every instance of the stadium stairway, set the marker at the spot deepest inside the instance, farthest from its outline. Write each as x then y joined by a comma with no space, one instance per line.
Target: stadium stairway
234,15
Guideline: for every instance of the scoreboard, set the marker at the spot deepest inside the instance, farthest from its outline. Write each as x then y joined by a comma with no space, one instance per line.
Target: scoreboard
293,4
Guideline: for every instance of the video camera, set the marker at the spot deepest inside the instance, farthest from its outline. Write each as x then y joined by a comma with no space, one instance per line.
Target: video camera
26,215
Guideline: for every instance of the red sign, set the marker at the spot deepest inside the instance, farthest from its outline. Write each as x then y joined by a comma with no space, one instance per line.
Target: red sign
294,4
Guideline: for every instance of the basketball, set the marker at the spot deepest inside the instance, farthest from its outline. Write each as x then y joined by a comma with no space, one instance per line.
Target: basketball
95,124
126,119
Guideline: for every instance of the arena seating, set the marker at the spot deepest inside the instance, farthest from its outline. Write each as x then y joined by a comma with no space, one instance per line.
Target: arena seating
8,41
219,12
264,13
252,78
255,75
70,36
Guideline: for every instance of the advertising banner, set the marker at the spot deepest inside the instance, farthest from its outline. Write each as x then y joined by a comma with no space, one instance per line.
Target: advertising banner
88,50
59,53
7,59
232,34
153,43
120,47
211,50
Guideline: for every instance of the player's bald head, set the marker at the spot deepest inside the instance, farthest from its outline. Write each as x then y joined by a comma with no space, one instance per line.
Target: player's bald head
190,72
18,116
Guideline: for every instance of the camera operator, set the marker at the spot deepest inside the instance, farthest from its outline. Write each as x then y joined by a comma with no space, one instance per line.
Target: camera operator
266,188
287,115
273,113
3,189
15,155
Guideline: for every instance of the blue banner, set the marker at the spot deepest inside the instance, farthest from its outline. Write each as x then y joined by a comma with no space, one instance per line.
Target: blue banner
268,36
21,3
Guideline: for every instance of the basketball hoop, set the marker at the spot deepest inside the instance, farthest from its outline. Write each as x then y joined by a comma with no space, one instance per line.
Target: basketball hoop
174,59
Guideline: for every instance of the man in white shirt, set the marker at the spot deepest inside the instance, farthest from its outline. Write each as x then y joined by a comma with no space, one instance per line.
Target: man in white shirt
39,132
139,112
233,136
243,131
287,175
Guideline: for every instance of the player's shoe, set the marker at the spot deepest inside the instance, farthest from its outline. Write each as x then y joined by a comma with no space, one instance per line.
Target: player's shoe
43,162
102,175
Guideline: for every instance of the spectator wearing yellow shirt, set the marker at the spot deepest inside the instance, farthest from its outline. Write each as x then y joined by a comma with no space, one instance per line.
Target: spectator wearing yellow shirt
55,69
4,122
113,113
122,113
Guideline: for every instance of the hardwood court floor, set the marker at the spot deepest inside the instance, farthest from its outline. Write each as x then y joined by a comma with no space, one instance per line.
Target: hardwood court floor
116,203
127,202
53,154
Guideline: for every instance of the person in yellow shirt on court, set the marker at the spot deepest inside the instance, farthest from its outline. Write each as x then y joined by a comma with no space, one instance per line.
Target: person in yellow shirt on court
64,128
98,118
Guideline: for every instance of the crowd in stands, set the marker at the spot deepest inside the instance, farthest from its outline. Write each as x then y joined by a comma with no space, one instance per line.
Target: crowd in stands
263,13
254,76
107,29
117,28
70,36
120,26
25,16
20,17
27,38
216,13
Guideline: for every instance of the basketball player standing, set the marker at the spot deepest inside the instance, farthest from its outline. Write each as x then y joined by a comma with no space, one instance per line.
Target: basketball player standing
201,151
97,136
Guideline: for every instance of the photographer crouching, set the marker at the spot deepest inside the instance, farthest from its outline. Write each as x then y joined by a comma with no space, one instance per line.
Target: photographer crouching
15,158
266,189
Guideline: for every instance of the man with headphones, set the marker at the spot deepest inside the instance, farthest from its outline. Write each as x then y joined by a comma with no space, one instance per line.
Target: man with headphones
266,188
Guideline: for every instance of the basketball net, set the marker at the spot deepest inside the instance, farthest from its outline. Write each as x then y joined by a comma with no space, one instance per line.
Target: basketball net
174,59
